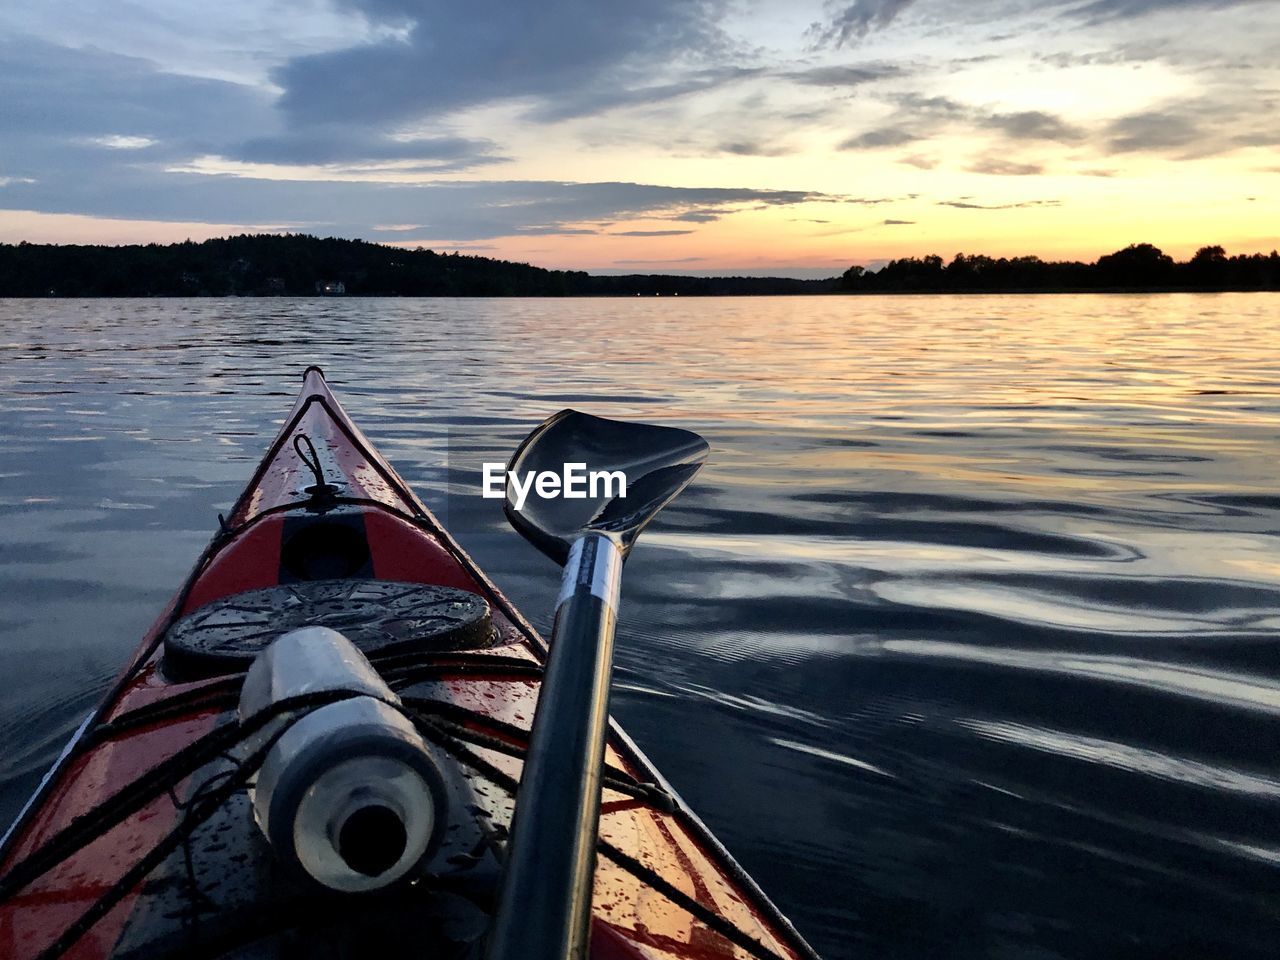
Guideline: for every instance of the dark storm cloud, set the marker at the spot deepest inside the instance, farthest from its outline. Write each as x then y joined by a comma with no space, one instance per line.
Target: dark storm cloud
571,55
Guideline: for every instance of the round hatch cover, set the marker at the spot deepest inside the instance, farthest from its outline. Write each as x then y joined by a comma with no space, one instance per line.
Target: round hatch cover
381,617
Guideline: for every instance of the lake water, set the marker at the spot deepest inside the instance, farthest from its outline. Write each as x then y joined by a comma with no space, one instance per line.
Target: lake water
966,641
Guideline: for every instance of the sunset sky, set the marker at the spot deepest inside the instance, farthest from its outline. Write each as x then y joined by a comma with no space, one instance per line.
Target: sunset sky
788,137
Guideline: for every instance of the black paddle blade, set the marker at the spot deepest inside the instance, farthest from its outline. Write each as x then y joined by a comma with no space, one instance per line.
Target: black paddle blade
655,464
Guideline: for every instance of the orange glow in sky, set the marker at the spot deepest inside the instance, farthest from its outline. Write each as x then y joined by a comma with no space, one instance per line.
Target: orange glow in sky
795,138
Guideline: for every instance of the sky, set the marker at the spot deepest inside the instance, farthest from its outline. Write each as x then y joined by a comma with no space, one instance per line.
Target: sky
790,138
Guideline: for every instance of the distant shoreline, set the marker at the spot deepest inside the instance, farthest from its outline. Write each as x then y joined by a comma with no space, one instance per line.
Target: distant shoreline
298,265
835,294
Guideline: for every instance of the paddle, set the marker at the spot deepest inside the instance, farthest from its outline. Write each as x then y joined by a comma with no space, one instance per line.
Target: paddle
544,908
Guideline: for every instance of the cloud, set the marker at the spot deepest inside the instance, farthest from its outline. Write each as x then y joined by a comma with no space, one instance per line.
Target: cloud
52,97
853,21
842,75
1099,11
935,107
999,167
650,233
752,148
898,223
677,260
1033,125
1151,131
392,98
698,216
1218,121
63,108
330,145
967,205
450,247
915,117
891,136
447,210
551,230
117,141
570,56
603,97
849,22
1214,124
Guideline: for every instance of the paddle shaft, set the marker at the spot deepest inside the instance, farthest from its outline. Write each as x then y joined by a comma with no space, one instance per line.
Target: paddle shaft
544,909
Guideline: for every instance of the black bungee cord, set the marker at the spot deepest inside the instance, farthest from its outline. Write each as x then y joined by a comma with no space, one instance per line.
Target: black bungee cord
441,723
309,457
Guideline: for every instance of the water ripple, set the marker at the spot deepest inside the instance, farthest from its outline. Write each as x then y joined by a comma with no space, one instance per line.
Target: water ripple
1251,693
1127,757
965,641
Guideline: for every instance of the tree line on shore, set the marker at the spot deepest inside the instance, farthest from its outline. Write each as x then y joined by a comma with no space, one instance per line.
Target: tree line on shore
302,265
1140,266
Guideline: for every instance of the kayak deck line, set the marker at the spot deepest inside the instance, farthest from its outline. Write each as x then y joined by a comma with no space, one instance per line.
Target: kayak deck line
180,870
440,731
72,744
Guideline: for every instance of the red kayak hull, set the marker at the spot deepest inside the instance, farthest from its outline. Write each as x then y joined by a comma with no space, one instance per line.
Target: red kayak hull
61,909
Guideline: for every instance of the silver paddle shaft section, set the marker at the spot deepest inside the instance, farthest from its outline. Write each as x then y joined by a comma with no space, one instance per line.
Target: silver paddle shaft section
544,909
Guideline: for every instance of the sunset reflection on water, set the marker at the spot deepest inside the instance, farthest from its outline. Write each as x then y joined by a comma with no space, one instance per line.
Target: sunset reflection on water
965,640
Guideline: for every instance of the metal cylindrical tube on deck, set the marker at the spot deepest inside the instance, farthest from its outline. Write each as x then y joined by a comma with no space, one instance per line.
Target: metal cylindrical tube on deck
348,793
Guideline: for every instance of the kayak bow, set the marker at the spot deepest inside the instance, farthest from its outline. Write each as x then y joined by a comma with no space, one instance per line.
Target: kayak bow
141,842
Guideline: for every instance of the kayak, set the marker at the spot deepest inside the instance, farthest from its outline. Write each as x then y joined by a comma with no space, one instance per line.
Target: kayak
143,839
